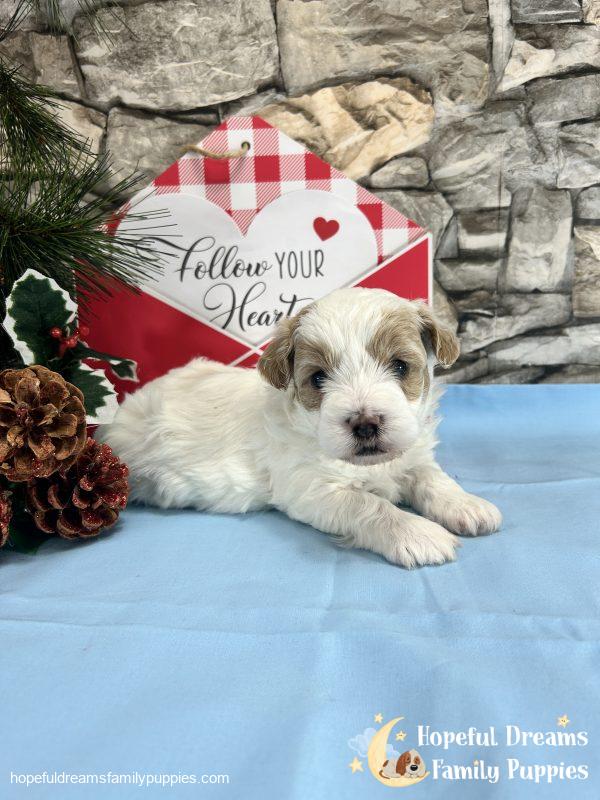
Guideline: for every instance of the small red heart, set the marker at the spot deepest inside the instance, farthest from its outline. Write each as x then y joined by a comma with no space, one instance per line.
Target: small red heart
326,228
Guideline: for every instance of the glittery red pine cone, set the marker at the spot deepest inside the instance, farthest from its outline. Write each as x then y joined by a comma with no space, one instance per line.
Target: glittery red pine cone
42,423
5,516
81,500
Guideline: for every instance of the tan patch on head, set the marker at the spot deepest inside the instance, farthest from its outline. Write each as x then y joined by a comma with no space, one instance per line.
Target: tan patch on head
398,337
288,358
311,357
277,362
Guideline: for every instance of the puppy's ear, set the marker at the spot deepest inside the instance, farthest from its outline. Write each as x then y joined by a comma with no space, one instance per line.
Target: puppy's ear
277,362
444,341
403,763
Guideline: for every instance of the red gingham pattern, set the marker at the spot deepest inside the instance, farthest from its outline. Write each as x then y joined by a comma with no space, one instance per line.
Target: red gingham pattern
159,335
275,165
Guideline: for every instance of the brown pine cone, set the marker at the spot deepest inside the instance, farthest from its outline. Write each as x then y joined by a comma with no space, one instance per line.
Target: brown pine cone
81,500
5,516
42,423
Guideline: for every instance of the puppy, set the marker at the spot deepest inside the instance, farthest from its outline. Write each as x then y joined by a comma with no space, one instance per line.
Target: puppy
336,428
408,765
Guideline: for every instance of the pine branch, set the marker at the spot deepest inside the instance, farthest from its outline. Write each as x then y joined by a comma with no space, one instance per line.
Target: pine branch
52,15
21,11
60,232
47,220
31,133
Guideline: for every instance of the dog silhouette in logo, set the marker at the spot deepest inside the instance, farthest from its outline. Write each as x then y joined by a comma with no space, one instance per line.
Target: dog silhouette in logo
408,765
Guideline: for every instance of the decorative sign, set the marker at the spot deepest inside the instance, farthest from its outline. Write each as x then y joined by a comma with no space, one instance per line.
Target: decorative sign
247,241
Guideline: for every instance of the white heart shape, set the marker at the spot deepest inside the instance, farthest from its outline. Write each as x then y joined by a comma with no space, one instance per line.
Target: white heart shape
245,284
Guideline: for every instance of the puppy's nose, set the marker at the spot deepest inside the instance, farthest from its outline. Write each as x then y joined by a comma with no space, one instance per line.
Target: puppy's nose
414,767
365,427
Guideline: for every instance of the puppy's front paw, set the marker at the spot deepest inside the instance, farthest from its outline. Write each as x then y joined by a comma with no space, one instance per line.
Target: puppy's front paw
421,542
467,515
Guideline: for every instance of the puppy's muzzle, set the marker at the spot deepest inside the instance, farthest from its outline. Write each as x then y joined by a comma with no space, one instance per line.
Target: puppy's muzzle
365,430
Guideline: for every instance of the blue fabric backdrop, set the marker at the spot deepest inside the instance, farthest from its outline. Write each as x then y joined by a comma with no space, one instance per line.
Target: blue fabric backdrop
252,646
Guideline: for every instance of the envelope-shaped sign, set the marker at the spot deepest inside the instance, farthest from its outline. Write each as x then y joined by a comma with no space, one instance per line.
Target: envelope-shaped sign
248,240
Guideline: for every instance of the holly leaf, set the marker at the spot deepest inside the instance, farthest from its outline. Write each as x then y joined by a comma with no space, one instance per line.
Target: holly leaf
36,304
124,368
100,398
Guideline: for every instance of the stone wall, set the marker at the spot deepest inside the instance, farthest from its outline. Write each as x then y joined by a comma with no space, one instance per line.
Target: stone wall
481,120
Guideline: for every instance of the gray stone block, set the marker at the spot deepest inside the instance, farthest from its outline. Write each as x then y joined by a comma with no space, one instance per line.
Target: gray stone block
46,60
180,54
448,244
466,276
480,303
573,373
579,155
586,283
479,161
575,345
541,11
539,256
401,173
87,122
562,99
543,50
481,232
523,375
440,43
516,314
588,203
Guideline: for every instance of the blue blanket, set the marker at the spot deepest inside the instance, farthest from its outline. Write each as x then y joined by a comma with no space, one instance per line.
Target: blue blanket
250,657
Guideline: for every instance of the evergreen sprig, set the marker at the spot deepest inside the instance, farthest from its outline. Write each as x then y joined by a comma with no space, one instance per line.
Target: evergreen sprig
31,133
51,14
21,11
52,217
58,227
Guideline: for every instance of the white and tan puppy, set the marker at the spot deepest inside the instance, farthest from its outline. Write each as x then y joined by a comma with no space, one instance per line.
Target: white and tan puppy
335,428
408,765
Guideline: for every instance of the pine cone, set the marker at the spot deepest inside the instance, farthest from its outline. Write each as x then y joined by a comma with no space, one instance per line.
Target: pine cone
81,500
5,516
42,423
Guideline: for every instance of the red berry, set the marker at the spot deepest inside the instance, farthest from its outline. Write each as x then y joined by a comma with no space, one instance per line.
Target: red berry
71,341
83,330
56,332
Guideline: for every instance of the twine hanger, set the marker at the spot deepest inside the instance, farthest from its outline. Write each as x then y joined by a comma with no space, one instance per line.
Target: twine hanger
242,150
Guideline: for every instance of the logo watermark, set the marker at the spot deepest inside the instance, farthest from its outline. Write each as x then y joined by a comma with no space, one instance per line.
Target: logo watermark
395,760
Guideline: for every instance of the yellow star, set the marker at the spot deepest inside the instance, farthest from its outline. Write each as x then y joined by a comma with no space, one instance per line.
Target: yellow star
378,718
401,736
356,765
476,762
563,721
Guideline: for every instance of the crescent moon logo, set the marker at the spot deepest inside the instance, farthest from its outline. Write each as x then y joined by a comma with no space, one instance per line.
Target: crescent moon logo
377,757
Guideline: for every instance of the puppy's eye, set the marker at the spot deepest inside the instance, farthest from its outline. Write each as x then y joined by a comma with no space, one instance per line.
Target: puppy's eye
399,368
318,379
